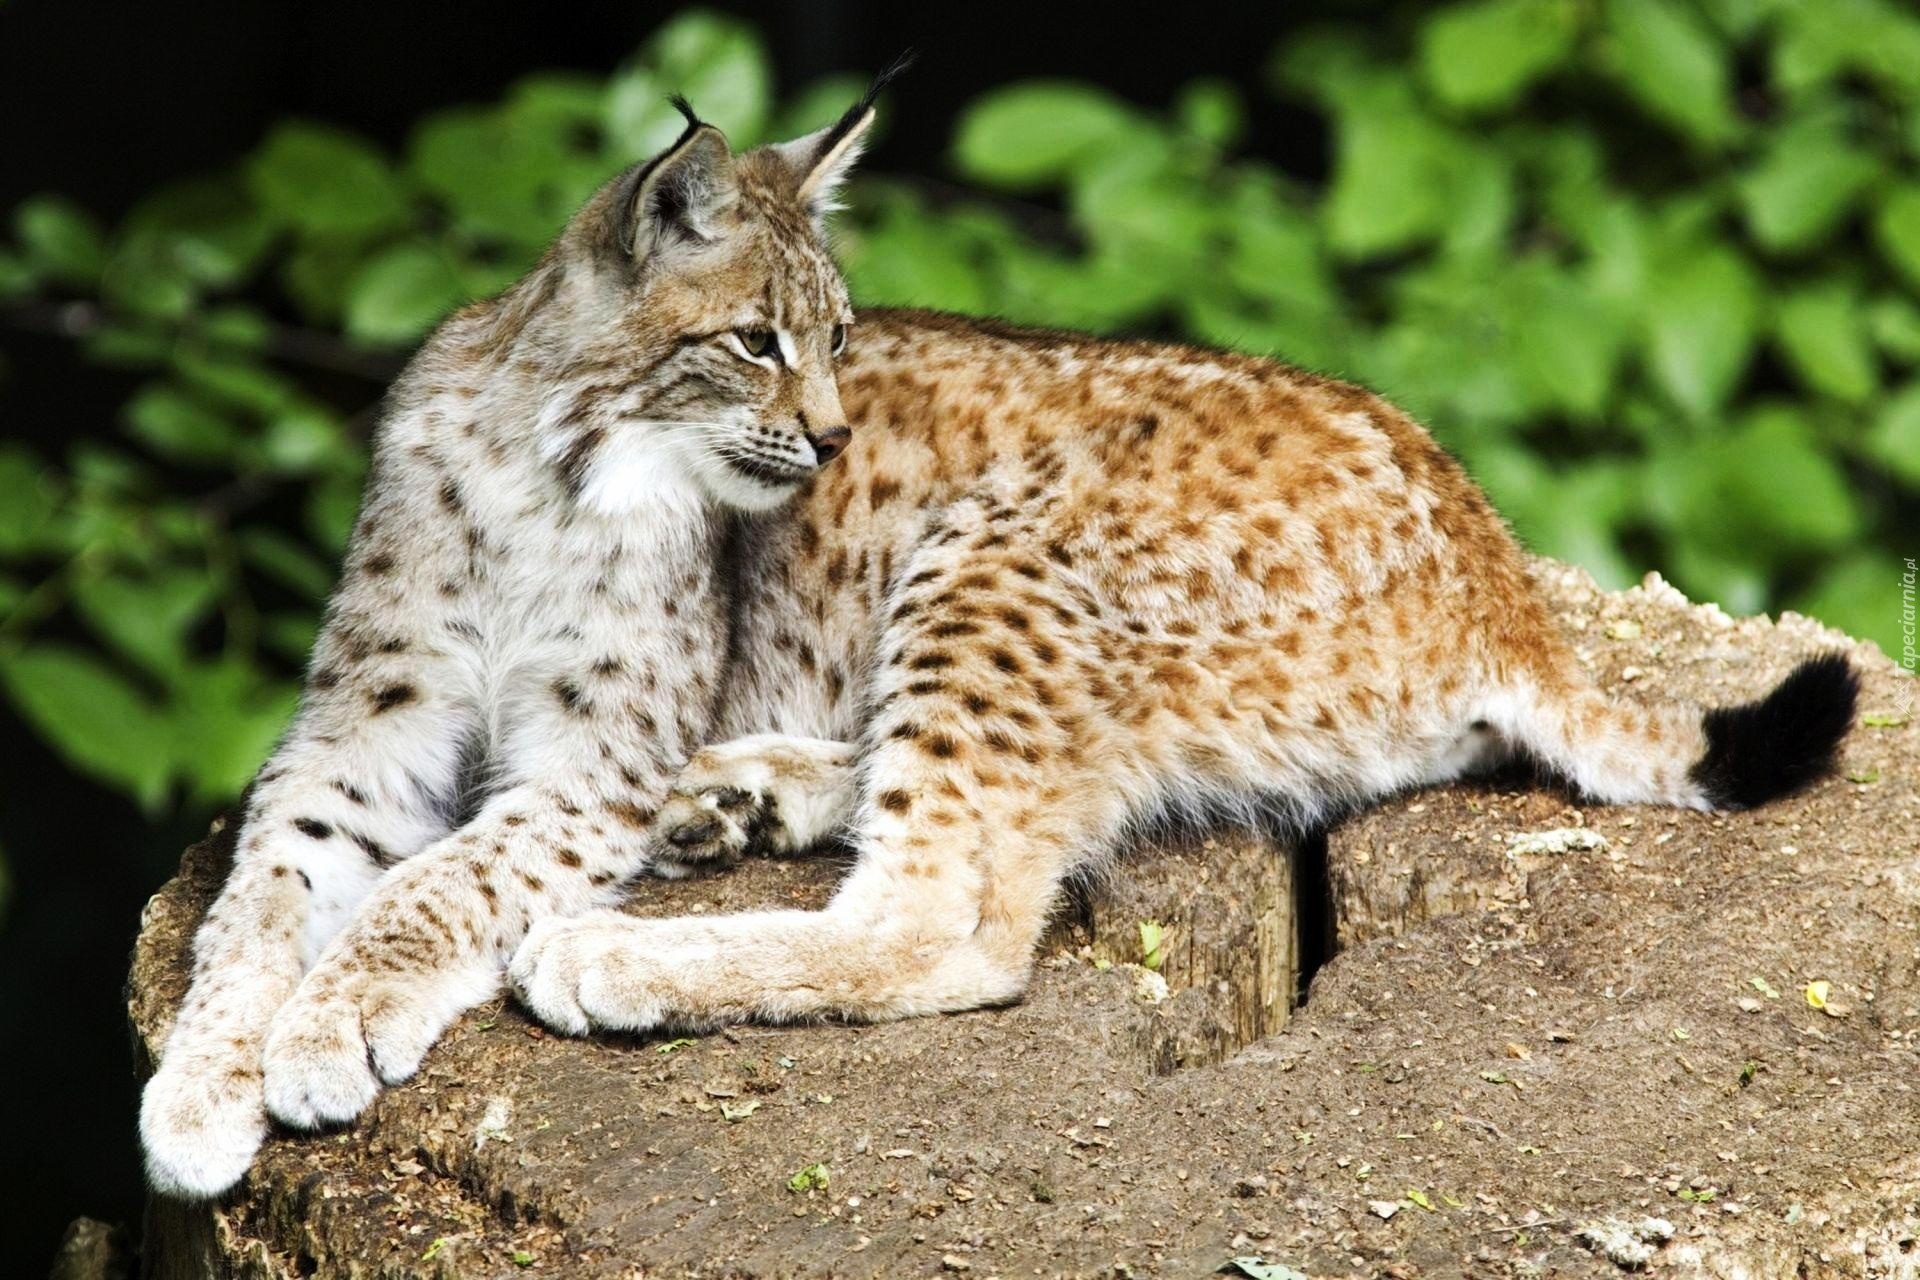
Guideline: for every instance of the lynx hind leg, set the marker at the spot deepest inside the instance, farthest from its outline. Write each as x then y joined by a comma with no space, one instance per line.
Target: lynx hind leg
763,794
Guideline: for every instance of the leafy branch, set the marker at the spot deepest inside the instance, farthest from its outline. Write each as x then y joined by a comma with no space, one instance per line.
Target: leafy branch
1652,267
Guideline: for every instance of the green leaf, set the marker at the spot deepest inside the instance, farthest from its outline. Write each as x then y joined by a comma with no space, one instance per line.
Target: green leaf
813,1177
1823,331
211,231
318,274
818,105
1570,513
331,507
326,181
17,275
290,634
1212,110
303,439
226,718
1895,437
904,257
1273,249
1153,938
1141,201
236,326
1447,351
1484,54
1123,279
287,562
147,618
27,501
558,103
147,278
1702,322
1390,173
1896,226
1710,575
1805,185
1861,595
1321,61
129,346
401,294
717,62
512,174
60,239
180,426
239,380
1783,489
1038,132
96,720
1672,65
1895,322
1481,202
1570,342
97,467
1755,494
1873,39
1739,19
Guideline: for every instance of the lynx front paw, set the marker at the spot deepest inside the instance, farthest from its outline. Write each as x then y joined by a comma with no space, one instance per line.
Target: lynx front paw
766,794
589,971
336,1042
201,1121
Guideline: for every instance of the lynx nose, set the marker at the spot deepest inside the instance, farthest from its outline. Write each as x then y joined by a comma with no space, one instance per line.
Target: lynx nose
829,444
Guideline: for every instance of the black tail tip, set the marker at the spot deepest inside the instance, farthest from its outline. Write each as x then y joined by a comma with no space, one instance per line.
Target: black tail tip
1774,745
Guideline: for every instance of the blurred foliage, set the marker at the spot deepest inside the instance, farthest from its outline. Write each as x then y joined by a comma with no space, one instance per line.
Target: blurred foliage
1651,267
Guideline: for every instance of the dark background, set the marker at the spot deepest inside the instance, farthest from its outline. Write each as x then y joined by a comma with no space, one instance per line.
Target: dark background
102,102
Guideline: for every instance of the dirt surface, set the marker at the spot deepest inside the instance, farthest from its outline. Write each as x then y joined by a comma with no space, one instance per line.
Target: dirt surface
1516,1042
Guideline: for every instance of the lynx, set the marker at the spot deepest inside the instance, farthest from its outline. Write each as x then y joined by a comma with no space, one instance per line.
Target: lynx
667,558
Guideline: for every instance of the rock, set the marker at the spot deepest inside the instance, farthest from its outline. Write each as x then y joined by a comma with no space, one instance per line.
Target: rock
1627,1244
1087,1132
1534,844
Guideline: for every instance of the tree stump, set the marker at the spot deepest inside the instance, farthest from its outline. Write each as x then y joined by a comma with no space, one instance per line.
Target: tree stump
1529,1044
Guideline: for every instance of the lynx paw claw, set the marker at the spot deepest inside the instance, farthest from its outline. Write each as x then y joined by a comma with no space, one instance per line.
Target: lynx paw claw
765,794
713,828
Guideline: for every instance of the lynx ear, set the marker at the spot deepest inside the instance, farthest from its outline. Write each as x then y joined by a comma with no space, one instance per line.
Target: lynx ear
684,196
821,160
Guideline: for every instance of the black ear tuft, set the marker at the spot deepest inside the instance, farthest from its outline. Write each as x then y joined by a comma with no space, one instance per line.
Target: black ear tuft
1778,744
851,118
685,108
888,74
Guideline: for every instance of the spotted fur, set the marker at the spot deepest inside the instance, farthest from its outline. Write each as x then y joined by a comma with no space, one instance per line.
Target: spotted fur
1057,586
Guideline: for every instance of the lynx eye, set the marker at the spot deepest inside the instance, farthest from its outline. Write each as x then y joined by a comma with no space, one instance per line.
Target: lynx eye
761,344
839,338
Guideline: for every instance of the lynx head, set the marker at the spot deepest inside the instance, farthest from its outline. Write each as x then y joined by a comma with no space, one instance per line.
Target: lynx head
702,282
